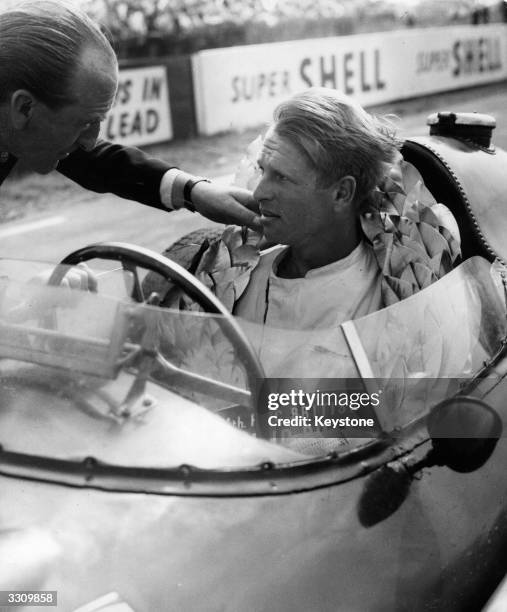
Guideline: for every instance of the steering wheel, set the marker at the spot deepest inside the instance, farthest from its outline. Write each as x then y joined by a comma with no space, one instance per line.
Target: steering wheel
132,257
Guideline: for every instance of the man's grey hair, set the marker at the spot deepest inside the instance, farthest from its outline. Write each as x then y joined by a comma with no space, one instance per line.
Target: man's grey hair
40,46
338,137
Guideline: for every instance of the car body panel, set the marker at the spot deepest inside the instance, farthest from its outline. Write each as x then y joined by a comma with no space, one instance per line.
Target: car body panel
289,552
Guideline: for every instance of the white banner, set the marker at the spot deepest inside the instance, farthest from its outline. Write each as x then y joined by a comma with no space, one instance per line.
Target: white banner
239,87
141,113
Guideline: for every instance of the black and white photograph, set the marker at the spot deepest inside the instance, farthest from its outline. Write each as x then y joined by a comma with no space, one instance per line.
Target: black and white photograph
253,305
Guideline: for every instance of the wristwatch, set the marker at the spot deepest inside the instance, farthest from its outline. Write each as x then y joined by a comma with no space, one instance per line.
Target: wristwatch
187,191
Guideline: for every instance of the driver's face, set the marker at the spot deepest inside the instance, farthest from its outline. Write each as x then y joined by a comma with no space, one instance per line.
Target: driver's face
51,135
294,210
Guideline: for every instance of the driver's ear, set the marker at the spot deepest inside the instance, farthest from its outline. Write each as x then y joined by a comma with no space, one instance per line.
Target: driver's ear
22,106
344,191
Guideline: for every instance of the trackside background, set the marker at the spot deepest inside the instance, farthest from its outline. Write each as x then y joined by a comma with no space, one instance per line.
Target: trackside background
233,88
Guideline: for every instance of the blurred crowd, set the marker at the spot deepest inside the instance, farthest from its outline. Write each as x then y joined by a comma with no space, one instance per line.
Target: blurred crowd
145,19
142,17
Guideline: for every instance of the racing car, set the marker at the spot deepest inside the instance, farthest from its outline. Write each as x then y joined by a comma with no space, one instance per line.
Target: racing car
141,468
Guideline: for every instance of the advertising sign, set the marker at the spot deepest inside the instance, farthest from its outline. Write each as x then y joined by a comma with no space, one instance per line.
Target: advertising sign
238,87
141,113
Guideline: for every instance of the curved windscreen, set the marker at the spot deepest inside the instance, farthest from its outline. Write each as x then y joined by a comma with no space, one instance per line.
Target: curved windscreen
425,347
87,375
83,374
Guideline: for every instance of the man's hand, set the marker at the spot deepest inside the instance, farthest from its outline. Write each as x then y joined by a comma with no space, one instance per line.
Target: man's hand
230,205
38,302
78,277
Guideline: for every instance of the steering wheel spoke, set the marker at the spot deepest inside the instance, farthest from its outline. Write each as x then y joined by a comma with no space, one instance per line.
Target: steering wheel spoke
132,258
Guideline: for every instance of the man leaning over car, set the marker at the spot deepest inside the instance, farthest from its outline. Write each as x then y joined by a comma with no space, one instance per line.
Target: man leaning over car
58,80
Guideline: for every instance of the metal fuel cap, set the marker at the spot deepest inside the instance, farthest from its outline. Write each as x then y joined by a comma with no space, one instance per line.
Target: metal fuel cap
476,128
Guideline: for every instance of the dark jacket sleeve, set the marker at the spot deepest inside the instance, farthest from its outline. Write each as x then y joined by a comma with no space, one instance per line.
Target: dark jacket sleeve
112,168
